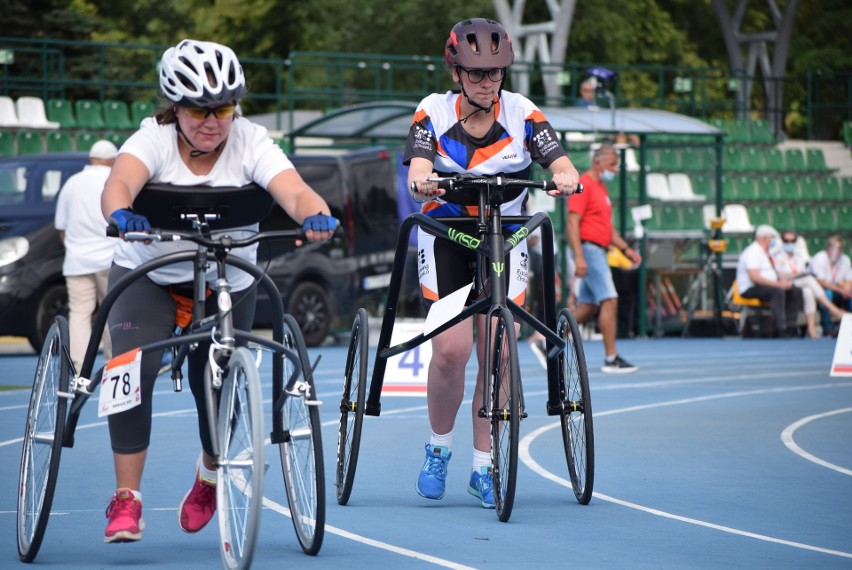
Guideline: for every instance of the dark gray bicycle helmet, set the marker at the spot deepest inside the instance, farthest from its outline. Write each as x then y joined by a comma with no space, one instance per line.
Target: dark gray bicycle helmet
478,43
201,74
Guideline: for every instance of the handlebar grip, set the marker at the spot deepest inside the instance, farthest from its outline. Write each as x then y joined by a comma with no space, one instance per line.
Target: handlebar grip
549,185
579,189
112,230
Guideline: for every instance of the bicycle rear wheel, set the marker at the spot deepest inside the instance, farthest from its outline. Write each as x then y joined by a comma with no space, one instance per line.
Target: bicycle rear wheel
352,407
301,450
240,473
578,433
42,446
504,410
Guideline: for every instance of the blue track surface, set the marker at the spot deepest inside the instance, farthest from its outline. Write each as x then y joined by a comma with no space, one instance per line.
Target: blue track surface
717,453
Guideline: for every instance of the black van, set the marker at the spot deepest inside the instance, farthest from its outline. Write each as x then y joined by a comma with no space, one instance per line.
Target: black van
318,287
324,287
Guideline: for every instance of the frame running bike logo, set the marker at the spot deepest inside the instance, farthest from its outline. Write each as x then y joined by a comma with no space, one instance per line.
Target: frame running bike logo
516,237
498,267
464,239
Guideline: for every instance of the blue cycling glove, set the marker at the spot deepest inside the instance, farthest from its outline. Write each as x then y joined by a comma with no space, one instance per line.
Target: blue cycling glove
320,223
129,221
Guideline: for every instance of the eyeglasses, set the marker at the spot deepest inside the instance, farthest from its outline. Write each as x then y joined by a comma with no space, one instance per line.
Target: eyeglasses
477,75
201,113
789,240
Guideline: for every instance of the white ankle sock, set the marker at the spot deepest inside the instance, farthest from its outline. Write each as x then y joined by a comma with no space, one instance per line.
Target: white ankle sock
481,459
445,440
206,475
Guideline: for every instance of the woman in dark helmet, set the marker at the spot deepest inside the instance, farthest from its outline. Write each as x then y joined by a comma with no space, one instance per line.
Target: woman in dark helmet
480,129
197,138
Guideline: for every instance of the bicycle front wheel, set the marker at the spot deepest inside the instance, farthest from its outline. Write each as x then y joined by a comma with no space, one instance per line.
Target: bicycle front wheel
301,450
578,433
43,440
240,473
352,407
504,410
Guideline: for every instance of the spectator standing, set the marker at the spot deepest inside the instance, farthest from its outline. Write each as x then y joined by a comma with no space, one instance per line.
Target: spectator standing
587,93
88,251
590,234
757,278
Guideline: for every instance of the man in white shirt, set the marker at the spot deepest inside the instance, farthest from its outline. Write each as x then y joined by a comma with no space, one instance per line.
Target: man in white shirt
757,279
88,252
833,270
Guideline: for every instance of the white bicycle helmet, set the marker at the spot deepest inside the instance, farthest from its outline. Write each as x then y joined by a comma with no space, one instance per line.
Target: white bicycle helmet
201,74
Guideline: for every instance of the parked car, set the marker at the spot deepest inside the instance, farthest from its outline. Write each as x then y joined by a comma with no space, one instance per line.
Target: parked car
318,286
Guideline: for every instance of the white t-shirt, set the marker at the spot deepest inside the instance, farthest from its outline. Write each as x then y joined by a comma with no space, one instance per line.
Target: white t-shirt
789,265
249,155
825,271
754,257
78,213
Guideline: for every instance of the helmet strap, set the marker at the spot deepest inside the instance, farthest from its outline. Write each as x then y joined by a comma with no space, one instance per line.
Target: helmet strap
473,103
196,152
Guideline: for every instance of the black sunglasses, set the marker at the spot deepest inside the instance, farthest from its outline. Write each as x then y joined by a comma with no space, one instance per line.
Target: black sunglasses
477,75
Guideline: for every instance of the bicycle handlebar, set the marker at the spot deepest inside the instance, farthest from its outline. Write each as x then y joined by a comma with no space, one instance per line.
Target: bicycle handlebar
471,181
223,241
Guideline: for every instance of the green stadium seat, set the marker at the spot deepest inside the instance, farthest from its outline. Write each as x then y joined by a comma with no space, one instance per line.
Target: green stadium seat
824,220
761,133
816,161
847,133
85,139
788,188
815,244
753,159
633,186
782,218
774,160
740,132
89,114
729,191
7,143
115,138
810,188
831,189
692,217
62,112
692,159
140,110
720,124
29,142
59,141
767,187
732,159
804,219
795,160
759,214
669,160
116,115
846,188
703,184
616,219
844,217
745,189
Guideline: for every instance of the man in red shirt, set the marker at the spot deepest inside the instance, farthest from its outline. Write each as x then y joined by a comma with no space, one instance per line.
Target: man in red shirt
590,234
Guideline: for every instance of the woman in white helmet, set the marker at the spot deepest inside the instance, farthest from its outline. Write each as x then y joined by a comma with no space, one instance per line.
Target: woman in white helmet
197,138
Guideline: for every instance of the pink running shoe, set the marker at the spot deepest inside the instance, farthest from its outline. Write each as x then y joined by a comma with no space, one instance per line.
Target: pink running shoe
125,518
198,506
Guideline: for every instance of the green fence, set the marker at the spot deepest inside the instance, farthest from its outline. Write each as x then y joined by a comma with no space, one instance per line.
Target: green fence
815,105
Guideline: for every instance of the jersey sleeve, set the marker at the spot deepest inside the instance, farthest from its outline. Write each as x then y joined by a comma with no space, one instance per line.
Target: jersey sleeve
421,141
541,139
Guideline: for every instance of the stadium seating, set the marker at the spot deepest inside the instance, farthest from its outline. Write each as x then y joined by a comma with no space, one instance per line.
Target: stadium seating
59,141
795,160
680,188
831,189
774,160
31,113
29,142
816,161
8,115
62,112
767,188
89,114
7,143
84,140
788,188
116,115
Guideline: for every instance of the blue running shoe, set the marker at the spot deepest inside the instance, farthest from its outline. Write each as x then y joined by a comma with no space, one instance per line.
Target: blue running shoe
432,482
481,486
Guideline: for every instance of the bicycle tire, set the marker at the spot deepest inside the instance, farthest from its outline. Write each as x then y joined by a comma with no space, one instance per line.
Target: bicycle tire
301,450
504,410
352,407
578,435
42,444
240,472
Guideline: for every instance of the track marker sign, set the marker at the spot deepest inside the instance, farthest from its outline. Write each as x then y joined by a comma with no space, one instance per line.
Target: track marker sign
841,365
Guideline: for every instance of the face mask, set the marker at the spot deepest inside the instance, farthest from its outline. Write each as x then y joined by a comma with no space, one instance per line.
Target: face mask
789,247
607,176
773,244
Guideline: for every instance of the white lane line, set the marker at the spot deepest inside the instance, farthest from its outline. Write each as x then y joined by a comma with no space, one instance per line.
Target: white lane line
526,457
270,504
787,438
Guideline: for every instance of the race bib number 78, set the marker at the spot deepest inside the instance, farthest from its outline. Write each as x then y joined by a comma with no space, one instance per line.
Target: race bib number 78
120,387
